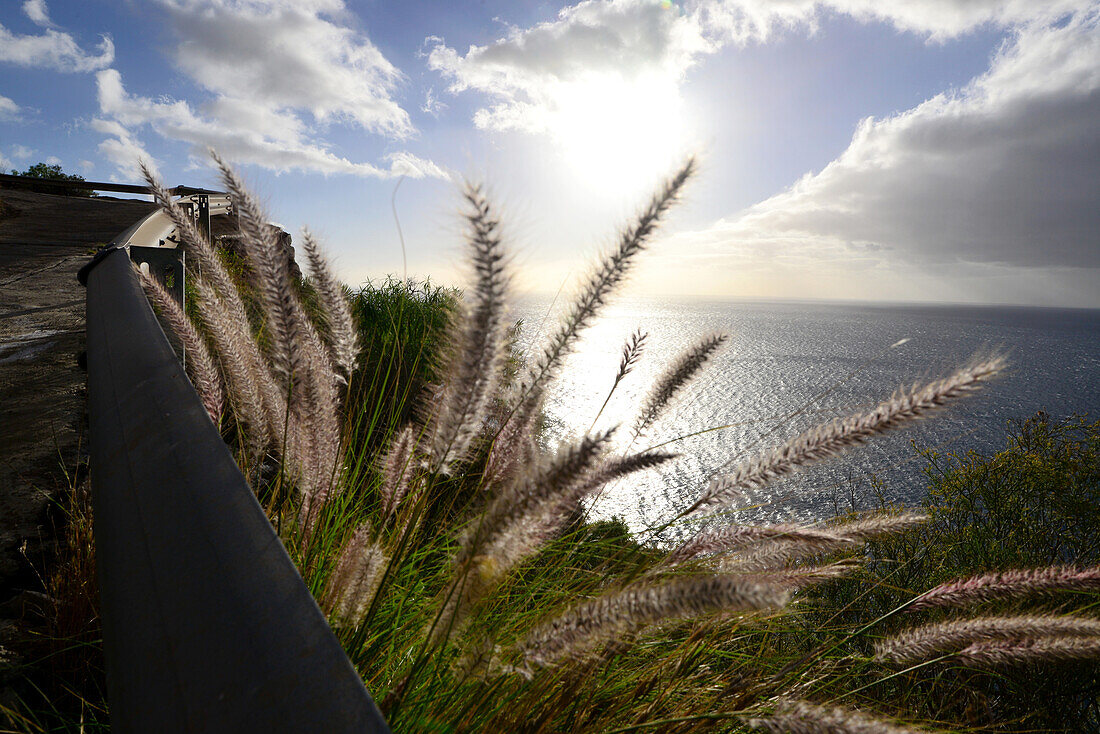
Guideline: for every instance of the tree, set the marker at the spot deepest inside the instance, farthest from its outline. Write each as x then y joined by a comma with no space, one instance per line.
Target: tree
53,173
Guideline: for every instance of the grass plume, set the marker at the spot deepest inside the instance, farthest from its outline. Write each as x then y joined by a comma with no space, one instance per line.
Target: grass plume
478,349
803,717
678,375
830,439
632,354
603,280
204,257
1047,649
354,582
272,269
343,340
613,613
1014,584
737,537
200,365
932,640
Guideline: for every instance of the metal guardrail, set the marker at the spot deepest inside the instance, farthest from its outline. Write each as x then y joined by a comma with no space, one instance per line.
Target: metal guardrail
62,185
207,626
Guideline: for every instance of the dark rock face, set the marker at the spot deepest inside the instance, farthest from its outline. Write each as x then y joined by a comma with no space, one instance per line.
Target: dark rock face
44,240
231,241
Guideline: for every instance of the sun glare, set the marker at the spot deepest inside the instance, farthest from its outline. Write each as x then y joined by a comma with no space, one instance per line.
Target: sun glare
618,135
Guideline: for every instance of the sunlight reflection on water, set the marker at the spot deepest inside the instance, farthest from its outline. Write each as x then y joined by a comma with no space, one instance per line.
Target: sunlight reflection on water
816,361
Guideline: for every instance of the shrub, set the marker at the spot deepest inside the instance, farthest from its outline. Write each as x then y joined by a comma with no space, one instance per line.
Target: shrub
1034,505
53,173
401,325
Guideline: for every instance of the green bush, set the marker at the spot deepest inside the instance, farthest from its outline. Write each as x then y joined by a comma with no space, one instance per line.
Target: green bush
53,173
401,326
1034,504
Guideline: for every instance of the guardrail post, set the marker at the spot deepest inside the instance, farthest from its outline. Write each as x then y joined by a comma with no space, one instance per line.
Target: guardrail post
207,626
202,205
167,265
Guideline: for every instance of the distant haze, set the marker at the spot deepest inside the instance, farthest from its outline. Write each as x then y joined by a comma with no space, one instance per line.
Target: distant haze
915,150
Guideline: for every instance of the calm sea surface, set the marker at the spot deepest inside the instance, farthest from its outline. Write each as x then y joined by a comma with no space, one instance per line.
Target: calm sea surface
788,366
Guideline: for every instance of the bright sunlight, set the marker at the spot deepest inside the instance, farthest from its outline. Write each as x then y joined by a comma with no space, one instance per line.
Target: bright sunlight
613,133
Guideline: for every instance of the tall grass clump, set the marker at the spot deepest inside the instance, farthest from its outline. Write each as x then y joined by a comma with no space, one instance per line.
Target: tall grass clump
400,324
450,543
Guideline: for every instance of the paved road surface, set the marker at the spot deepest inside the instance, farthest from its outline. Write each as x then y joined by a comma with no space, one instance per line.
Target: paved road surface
44,239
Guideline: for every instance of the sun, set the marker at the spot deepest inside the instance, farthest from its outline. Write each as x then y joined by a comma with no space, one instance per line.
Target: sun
617,134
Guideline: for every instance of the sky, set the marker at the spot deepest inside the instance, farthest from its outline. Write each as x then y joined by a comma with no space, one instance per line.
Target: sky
868,150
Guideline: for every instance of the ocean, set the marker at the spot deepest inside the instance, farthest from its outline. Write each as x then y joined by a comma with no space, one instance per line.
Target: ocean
790,365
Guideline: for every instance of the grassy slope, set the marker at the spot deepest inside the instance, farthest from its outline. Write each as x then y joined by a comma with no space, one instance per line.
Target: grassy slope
1035,503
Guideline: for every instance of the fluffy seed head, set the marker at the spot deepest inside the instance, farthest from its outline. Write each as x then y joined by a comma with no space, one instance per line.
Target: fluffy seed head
739,537
545,483
832,438
200,365
355,580
527,533
1049,649
272,269
1009,585
610,272
932,640
678,375
803,717
397,465
478,347
343,341
614,613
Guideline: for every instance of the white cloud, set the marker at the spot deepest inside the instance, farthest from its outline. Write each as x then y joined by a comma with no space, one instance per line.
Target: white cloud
9,110
996,180
432,105
267,138
53,49
1001,173
122,149
532,73
277,72
407,164
36,11
53,160
288,55
742,21
602,81
275,125
16,153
